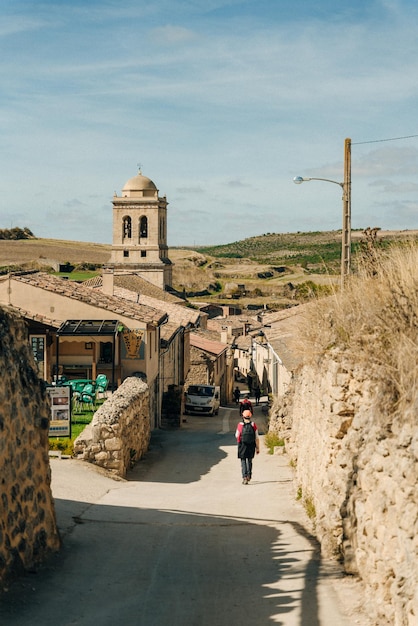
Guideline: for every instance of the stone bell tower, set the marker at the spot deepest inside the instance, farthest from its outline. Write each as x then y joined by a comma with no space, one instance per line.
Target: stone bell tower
140,233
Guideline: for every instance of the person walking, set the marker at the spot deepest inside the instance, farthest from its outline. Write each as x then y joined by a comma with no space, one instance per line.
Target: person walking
257,395
237,394
248,444
245,405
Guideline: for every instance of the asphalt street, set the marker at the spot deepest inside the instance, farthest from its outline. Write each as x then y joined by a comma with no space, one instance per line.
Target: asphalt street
182,542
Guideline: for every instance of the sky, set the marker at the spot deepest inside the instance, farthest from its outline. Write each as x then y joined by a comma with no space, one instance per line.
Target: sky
220,102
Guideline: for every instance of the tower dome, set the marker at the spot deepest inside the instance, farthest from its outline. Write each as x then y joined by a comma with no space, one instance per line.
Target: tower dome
139,183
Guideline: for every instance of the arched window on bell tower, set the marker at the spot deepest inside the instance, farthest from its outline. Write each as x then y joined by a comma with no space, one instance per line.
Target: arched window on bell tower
143,227
127,228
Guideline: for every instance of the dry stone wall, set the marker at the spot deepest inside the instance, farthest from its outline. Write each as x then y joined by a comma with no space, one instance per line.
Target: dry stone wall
28,530
357,471
120,431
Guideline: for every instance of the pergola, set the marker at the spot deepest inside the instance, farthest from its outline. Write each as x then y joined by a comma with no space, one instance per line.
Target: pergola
90,328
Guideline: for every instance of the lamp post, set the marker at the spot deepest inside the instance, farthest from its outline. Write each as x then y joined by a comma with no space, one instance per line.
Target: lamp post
346,226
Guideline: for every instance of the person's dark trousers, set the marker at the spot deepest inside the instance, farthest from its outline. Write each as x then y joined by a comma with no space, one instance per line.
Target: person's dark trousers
246,467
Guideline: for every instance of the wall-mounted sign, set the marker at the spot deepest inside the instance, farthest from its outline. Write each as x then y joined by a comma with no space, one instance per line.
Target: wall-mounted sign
38,348
60,425
132,340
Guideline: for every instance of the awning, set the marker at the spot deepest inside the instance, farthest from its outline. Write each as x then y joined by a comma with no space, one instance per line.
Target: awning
83,328
89,328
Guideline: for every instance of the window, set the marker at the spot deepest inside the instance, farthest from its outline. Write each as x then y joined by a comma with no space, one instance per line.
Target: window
126,253
143,227
143,253
127,228
106,352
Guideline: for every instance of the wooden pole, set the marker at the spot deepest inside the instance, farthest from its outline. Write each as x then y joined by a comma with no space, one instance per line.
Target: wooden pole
346,227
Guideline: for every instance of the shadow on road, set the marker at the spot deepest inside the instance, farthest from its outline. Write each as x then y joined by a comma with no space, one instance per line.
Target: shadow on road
179,456
156,568
148,560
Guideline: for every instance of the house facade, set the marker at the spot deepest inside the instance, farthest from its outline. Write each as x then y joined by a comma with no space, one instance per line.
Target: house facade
174,358
129,345
276,349
211,363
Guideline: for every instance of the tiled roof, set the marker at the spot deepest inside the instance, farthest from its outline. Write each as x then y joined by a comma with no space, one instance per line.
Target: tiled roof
283,335
277,316
30,315
243,342
168,330
96,281
208,345
93,297
232,321
181,315
137,284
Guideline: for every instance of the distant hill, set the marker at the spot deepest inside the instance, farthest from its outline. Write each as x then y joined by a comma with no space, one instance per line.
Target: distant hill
270,269
270,248
276,249
33,251
313,248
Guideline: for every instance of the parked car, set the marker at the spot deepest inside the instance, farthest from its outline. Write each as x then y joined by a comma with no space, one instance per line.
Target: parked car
202,399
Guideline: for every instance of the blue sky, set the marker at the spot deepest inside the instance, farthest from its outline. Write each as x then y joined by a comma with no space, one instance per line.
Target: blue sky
221,102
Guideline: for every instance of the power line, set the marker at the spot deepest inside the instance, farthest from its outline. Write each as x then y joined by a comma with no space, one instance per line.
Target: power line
359,143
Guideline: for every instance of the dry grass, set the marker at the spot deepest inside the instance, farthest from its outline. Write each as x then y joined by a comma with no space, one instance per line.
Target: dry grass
197,271
32,250
375,320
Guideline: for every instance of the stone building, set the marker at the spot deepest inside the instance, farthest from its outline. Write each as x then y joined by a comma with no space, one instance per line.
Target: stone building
211,363
140,232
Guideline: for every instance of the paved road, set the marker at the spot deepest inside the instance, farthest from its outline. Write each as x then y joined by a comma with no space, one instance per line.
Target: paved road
181,542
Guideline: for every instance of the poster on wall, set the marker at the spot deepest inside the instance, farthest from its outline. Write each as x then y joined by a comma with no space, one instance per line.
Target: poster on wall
60,398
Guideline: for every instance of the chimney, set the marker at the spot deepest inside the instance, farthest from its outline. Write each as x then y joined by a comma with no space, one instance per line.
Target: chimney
108,281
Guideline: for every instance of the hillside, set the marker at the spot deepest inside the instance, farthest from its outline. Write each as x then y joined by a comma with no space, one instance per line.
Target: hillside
320,249
18,252
273,270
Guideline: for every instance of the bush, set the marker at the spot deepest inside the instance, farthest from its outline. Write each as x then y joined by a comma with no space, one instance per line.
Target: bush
309,290
61,444
87,267
375,319
16,233
271,440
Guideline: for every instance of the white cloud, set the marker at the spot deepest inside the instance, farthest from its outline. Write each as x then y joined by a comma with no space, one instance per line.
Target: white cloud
190,190
171,35
222,101
388,186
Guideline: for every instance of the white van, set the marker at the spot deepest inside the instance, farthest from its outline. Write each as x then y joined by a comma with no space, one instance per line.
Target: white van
202,399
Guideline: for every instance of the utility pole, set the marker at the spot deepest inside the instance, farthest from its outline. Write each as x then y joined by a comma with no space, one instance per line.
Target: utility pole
346,227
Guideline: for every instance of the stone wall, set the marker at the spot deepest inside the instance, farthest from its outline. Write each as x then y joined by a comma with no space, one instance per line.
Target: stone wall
357,472
120,431
28,530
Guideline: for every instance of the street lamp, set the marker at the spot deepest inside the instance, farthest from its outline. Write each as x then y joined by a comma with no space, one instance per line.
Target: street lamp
346,229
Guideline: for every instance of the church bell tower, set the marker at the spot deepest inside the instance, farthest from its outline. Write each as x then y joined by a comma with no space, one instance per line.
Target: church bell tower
140,233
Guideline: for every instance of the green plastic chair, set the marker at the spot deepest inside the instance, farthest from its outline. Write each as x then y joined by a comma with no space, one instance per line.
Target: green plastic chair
101,385
88,396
